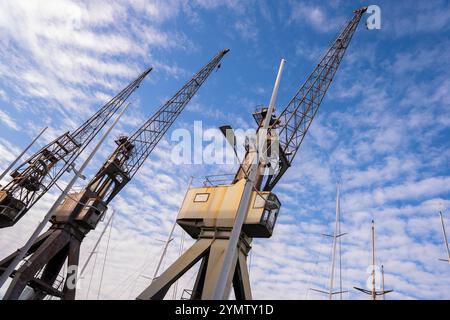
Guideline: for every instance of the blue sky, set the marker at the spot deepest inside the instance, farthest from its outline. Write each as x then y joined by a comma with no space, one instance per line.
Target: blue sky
383,128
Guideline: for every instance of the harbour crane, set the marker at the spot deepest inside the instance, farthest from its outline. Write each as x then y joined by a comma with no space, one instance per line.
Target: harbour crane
80,212
224,218
35,176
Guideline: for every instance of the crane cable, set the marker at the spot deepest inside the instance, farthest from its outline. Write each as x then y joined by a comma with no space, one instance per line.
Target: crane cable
104,260
175,287
92,275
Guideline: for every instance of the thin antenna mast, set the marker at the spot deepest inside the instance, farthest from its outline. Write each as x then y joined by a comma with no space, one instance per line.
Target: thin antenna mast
382,282
374,297
445,238
336,236
373,292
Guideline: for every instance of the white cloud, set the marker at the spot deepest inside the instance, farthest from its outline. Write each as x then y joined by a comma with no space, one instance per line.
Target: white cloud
6,119
313,15
363,133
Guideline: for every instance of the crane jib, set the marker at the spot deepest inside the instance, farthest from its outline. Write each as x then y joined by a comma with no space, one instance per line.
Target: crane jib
35,176
298,115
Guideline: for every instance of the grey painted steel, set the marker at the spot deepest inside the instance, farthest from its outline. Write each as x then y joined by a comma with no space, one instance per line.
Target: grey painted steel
227,270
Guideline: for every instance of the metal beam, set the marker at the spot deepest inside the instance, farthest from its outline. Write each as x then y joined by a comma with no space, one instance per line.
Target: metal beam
227,269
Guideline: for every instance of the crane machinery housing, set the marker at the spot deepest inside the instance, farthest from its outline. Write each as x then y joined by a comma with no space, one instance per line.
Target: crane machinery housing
80,212
208,213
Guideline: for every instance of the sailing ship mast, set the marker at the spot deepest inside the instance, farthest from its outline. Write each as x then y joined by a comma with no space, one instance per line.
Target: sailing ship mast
445,238
336,236
373,292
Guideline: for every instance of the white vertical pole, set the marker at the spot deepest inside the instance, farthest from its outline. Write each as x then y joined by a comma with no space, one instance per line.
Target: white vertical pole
23,152
23,251
382,282
374,296
335,235
445,236
226,271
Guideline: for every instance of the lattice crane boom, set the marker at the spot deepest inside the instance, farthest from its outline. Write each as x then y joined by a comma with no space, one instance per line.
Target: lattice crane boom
146,138
34,177
295,120
132,152
80,212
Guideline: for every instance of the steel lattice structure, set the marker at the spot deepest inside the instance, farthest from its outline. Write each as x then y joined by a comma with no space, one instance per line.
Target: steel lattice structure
212,214
81,211
295,120
146,138
34,177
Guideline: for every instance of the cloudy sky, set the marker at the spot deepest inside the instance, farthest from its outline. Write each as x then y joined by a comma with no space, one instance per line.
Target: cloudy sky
382,130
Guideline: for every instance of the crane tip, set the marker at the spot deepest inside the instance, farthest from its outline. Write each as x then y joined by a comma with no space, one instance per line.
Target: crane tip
360,10
225,51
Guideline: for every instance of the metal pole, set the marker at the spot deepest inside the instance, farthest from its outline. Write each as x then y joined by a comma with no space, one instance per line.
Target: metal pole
330,296
373,261
169,239
23,251
445,236
20,155
382,281
340,252
227,270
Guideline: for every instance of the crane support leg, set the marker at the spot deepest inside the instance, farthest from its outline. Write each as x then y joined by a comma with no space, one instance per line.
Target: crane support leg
210,248
160,285
73,260
54,243
241,279
50,272
6,261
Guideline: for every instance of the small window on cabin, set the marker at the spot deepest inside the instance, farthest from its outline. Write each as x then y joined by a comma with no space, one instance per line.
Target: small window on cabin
201,197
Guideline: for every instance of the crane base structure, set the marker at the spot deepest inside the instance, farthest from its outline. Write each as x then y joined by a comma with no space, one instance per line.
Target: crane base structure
207,215
210,250
41,270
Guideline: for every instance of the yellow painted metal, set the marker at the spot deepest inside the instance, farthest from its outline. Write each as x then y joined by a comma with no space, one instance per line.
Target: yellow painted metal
216,207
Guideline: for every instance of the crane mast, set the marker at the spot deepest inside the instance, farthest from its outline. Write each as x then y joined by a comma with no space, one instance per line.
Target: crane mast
34,177
81,211
209,213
